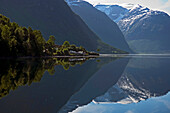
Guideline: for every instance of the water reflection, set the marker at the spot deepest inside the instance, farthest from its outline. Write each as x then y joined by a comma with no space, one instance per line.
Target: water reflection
21,72
143,78
50,94
107,84
98,84
153,105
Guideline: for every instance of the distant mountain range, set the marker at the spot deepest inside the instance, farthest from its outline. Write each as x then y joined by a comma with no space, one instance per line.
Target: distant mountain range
100,24
146,30
53,17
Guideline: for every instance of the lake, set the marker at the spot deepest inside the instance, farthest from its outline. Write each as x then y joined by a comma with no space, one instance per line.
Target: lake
108,84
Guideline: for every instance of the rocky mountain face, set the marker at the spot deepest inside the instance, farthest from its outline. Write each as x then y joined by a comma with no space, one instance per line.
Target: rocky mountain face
53,17
100,24
145,30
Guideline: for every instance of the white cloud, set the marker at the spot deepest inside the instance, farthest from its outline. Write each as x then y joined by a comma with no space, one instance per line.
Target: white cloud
153,4
165,6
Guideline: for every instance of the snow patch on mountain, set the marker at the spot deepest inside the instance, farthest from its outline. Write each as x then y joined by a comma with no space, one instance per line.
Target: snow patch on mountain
115,12
128,12
127,5
136,14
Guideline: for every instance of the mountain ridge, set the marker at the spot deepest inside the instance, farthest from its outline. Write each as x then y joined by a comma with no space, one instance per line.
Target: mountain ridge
145,30
100,24
51,18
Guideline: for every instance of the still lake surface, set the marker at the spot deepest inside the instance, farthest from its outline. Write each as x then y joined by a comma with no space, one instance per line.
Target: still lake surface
108,84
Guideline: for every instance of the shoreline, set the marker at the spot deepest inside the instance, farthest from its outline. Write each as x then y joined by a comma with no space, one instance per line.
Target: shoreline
29,57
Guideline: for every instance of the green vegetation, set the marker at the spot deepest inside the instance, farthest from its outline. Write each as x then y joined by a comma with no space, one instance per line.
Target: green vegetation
17,41
72,50
21,72
106,47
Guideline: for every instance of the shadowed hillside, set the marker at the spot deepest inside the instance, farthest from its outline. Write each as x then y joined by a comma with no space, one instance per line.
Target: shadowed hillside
53,17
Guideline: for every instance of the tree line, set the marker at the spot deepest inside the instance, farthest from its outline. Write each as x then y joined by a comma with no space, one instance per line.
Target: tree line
17,41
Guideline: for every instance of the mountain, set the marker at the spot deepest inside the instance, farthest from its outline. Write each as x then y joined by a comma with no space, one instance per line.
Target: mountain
100,24
114,12
146,30
53,17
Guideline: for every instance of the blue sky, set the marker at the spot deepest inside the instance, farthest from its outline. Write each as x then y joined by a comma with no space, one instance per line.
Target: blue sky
163,5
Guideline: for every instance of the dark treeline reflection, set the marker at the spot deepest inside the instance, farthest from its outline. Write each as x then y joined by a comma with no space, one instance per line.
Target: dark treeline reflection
21,72
61,92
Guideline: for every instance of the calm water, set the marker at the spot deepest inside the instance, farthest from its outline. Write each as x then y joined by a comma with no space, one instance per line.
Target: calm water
109,84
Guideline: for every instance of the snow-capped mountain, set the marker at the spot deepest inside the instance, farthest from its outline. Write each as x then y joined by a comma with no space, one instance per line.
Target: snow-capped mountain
137,14
115,12
146,30
121,11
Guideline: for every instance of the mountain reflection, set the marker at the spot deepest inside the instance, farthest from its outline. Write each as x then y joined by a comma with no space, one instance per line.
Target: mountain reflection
98,84
53,93
101,80
21,72
143,78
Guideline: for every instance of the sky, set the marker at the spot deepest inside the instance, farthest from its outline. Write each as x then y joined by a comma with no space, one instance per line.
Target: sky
162,5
